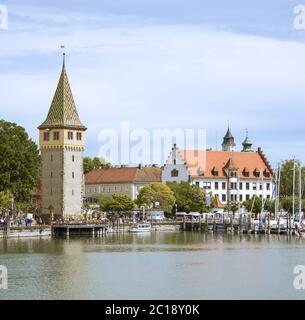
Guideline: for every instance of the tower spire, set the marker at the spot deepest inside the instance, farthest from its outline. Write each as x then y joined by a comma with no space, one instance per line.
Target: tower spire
228,143
63,55
247,144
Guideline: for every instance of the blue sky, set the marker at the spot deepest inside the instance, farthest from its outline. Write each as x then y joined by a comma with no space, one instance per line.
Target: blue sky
161,64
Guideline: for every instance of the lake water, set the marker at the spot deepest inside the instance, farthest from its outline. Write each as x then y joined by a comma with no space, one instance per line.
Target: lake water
164,265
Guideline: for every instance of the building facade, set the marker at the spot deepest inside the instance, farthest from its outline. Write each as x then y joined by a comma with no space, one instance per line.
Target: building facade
231,176
62,142
121,181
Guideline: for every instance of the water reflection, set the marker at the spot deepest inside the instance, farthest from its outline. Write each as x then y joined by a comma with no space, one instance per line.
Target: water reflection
173,265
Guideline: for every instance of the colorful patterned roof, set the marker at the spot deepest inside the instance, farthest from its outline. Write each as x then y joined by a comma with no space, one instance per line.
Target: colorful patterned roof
207,160
63,112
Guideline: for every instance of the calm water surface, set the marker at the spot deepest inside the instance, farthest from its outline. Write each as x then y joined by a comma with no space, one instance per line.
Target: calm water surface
176,265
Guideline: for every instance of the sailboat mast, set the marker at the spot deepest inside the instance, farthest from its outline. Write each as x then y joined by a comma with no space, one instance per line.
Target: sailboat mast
300,191
279,189
262,185
293,189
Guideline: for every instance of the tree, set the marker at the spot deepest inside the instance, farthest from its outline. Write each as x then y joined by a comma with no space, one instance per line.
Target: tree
286,186
189,198
157,192
255,203
6,198
94,163
116,203
19,161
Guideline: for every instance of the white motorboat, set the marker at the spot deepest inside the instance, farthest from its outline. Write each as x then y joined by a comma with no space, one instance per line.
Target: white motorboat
141,227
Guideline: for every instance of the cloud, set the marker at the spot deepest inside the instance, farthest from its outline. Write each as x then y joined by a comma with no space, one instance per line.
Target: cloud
157,76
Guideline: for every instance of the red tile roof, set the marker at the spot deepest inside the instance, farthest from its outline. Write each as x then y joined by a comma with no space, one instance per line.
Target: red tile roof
123,175
207,160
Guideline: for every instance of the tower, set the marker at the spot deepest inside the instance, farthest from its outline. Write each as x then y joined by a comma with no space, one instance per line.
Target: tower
247,144
228,143
62,142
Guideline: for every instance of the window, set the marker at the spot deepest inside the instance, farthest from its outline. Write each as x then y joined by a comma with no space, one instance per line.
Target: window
246,172
197,183
216,185
56,135
233,174
46,136
215,172
206,185
70,135
51,174
254,186
256,173
223,186
247,197
247,186
260,186
73,175
51,157
79,136
73,158
240,186
233,185
174,161
72,192
240,198
174,173
223,198
268,186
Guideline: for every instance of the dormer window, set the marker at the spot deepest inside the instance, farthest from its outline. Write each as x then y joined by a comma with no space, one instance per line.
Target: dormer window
246,172
215,172
266,173
256,173
174,173
200,172
233,174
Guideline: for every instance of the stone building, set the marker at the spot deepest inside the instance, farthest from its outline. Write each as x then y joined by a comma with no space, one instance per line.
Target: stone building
62,142
229,175
122,180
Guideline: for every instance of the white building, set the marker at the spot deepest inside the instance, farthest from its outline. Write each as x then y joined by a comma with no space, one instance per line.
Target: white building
230,175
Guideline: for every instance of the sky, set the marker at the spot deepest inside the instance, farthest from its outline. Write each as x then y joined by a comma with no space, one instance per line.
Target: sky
161,64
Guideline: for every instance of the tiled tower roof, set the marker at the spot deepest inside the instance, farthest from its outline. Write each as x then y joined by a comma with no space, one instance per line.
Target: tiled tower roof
63,112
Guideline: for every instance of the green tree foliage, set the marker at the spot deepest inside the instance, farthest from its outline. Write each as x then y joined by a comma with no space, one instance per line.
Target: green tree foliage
189,198
286,185
5,199
157,192
19,161
255,203
116,203
286,203
94,163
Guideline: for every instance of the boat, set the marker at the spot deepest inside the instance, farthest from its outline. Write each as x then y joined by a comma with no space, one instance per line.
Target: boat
141,227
